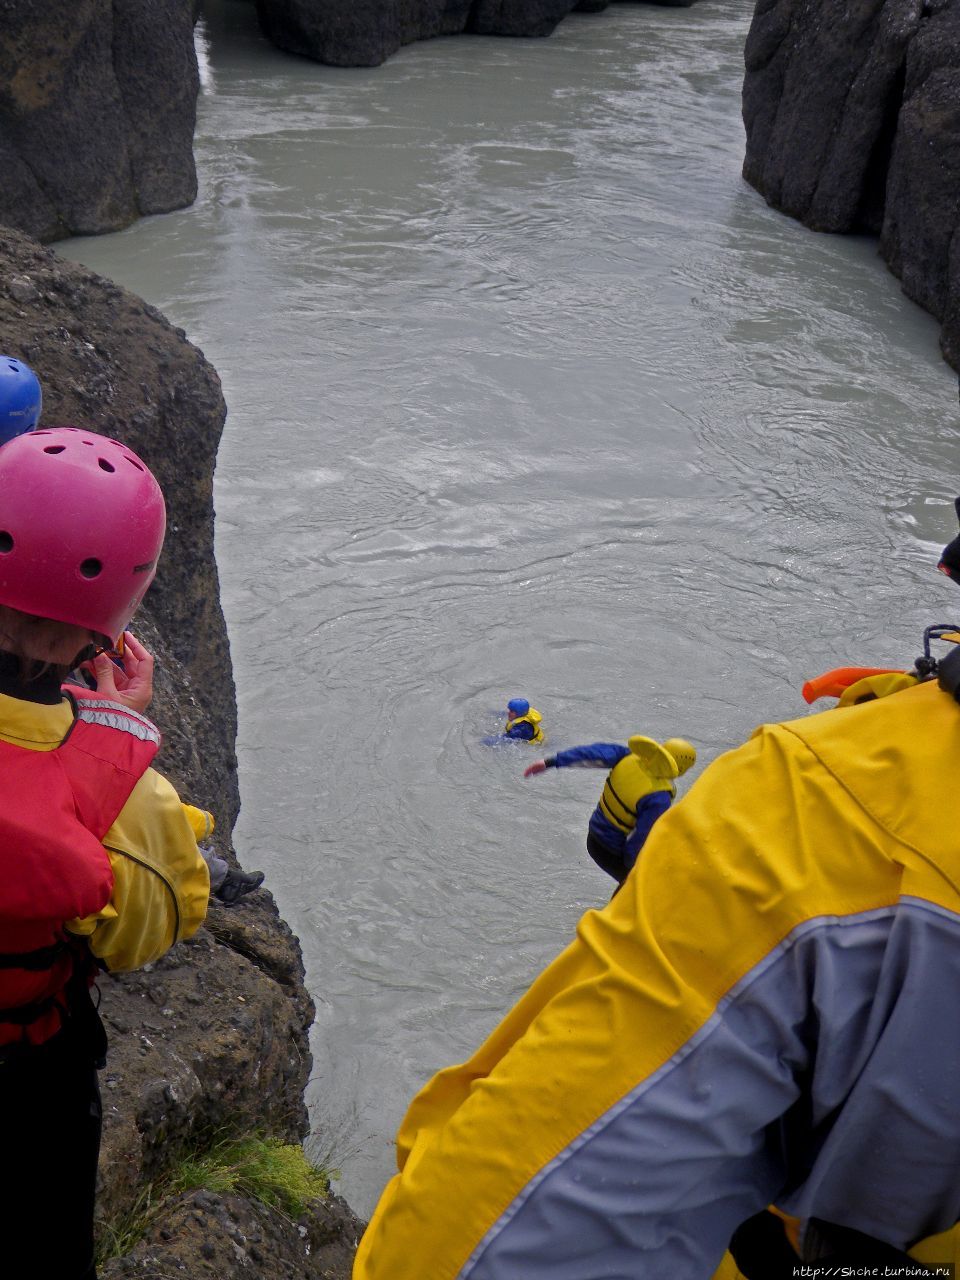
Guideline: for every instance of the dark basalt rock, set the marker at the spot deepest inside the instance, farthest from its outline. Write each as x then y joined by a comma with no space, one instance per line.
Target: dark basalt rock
155,63
517,17
357,33
921,228
820,89
364,33
213,1038
97,112
222,1237
597,6
189,1039
852,114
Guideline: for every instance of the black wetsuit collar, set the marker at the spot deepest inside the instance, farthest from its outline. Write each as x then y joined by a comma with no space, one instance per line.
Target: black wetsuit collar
45,688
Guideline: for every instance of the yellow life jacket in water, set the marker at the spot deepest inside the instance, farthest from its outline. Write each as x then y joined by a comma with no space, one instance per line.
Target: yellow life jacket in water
532,718
649,767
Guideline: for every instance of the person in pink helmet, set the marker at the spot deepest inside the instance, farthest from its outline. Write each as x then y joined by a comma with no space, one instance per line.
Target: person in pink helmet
99,867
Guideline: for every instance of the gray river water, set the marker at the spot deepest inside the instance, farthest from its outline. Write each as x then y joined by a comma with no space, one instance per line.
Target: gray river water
528,394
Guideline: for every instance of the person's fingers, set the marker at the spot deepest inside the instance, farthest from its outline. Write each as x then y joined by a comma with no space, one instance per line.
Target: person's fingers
105,671
131,642
538,766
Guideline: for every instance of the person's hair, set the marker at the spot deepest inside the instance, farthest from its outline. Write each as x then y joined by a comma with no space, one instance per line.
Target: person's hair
40,644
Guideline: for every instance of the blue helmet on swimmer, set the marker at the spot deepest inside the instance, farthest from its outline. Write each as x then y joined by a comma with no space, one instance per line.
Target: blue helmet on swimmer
20,398
519,706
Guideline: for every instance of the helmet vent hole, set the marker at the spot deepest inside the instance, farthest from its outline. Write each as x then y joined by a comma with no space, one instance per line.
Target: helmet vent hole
105,465
6,541
54,448
91,568
134,464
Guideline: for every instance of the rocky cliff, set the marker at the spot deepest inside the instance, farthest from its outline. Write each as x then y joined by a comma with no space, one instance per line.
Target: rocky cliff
98,98
97,112
364,33
852,114
213,1039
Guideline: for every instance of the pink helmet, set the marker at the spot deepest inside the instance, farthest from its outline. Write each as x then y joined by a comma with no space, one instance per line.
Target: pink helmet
81,526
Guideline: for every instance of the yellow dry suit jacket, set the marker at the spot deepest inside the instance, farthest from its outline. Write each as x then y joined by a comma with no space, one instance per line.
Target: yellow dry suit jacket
161,884
767,1012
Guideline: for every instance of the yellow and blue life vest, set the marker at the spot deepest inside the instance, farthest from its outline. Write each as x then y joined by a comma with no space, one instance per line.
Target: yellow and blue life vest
532,718
646,769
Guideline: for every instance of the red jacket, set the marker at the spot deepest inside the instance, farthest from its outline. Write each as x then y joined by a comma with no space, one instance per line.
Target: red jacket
55,808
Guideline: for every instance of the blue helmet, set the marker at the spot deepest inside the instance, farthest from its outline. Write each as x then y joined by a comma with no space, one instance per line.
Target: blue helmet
519,706
20,398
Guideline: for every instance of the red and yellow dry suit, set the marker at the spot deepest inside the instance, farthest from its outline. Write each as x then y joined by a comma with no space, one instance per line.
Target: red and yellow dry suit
768,1012
93,844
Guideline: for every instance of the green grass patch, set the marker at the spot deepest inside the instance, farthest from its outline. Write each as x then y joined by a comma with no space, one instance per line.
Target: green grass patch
274,1173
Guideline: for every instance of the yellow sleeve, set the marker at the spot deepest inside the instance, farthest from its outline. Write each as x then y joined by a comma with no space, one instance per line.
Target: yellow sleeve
201,822
161,884
728,1269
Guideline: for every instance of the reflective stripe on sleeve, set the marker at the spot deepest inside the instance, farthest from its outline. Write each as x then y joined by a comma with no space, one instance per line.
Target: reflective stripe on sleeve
118,717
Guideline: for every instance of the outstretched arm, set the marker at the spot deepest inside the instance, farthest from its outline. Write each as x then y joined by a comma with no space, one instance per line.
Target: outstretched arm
594,755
